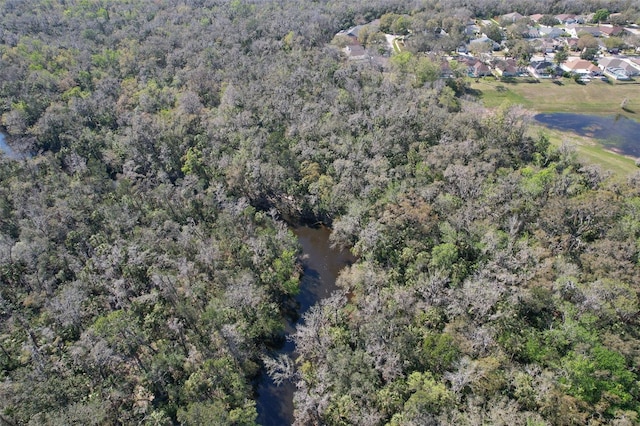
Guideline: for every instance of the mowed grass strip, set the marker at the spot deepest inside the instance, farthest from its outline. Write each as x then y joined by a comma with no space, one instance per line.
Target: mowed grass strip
589,151
595,97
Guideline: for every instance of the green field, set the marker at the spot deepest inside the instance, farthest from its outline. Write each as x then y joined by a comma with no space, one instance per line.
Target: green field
565,95
596,97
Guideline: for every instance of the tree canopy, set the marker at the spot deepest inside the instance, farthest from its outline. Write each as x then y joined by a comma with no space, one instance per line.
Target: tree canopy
146,268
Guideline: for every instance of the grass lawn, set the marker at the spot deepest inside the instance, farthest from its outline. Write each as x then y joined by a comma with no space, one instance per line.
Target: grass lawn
596,97
589,151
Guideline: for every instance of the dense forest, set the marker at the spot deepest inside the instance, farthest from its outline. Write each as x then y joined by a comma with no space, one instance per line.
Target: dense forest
145,267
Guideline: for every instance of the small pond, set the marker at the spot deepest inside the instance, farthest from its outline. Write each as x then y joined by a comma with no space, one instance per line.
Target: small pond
617,133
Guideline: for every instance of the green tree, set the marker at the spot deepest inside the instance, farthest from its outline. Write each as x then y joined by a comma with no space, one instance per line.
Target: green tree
494,32
548,20
560,56
614,43
401,25
428,397
601,15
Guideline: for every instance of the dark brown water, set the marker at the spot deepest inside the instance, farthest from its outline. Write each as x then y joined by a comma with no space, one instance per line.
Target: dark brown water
322,264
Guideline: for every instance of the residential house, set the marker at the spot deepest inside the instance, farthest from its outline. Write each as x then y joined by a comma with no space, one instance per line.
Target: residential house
582,67
484,39
611,31
511,17
352,33
480,69
616,73
506,68
550,32
532,32
475,67
536,17
576,30
472,30
572,43
630,68
566,18
547,45
356,52
543,69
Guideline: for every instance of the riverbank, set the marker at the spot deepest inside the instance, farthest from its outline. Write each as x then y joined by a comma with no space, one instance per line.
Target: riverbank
321,265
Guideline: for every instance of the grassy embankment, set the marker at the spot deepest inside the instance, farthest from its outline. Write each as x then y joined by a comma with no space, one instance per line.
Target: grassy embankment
596,97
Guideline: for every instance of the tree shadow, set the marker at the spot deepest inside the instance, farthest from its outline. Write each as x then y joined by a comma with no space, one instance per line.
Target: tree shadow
474,92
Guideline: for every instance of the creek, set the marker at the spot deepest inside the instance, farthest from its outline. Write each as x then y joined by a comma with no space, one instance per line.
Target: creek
617,133
321,266
7,150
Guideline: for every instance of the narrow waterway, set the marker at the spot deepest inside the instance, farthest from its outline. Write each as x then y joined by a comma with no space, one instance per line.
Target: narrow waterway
7,150
321,264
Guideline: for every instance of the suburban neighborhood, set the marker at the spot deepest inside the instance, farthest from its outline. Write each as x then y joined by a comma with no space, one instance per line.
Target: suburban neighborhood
599,45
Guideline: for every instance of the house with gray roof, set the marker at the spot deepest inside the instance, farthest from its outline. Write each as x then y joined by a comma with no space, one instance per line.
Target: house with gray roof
543,69
630,68
511,17
550,32
576,30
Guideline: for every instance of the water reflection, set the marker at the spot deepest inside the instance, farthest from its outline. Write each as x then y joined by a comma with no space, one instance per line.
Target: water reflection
6,149
617,133
321,264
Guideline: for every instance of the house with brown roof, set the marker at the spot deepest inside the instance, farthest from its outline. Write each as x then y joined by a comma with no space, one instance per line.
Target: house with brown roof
536,17
566,18
475,67
581,66
572,43
611,31
480,69
507,68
